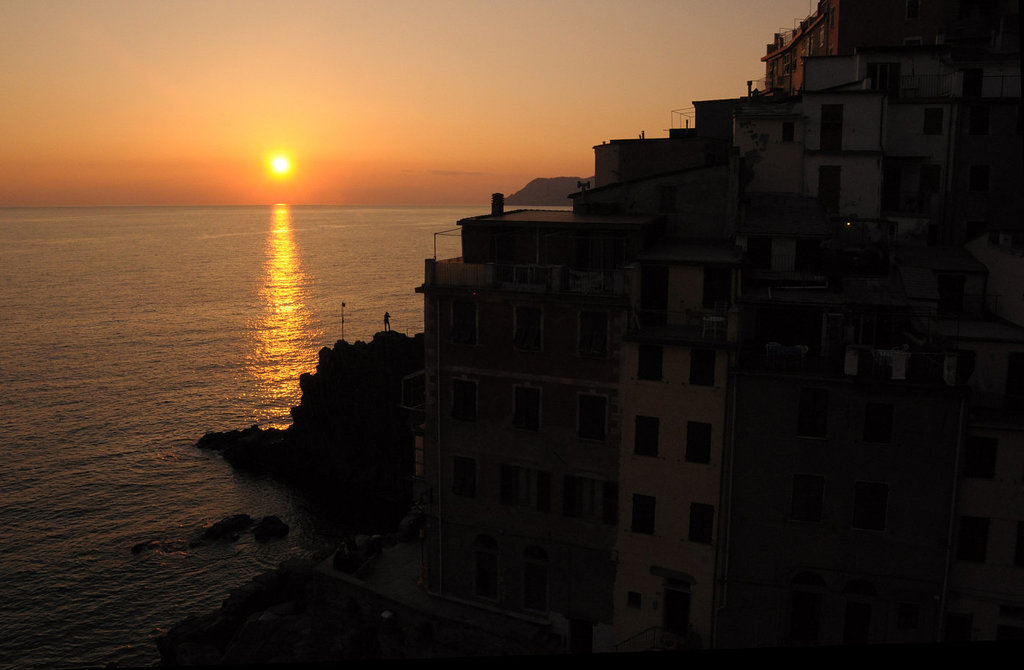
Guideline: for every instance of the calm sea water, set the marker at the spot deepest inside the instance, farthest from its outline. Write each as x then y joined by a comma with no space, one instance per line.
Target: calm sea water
125,334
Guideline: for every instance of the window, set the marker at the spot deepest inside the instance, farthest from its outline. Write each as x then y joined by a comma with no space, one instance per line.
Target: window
908,616
645,436
702,367
829,177
913,9
535,579
633,600
701,522
485,551
698,442
649,366
885,77
808,493
870,500
931,176
957,627
464,476
787,131
526,414
588,498
463,322
980,457
594,333
528,333
525,487
831,127
878,422
643,514
978,178
978,124
667,199
933,121
813,418
717,287
464,399
592,416
972,543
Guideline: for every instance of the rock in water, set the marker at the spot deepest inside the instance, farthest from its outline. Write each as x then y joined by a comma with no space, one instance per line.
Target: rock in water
227,527
270,528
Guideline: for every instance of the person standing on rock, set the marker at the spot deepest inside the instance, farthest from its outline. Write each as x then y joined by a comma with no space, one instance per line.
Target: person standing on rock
387,322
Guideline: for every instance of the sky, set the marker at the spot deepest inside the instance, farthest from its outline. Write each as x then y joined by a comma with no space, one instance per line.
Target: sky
139,102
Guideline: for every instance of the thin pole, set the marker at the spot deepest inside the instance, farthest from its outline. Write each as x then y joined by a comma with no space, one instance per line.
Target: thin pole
343,321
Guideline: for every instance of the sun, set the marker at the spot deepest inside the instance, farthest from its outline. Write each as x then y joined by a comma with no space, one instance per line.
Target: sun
280,166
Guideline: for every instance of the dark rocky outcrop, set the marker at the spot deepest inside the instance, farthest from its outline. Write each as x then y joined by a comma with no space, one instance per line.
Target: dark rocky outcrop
547,191
350,442
270,528
228,528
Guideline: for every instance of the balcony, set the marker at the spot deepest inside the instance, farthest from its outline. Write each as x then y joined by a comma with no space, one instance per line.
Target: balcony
692,325
953,84
452,272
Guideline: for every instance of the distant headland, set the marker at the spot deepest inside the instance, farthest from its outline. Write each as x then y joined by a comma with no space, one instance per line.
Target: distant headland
551,191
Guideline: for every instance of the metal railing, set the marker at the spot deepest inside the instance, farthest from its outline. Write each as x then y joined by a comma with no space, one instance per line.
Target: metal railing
525,277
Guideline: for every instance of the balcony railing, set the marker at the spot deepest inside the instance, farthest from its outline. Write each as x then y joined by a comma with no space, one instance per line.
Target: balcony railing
711,325
952,84
524,277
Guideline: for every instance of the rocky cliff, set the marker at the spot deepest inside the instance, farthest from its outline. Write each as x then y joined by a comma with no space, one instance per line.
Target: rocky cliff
349,438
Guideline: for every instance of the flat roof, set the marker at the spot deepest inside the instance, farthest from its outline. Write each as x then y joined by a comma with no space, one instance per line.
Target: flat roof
534,217
690,254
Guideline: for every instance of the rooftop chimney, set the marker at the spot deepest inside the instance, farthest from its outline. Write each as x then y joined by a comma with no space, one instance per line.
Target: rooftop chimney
497,204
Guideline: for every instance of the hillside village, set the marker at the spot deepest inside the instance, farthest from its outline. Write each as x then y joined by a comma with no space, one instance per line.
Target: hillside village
764,384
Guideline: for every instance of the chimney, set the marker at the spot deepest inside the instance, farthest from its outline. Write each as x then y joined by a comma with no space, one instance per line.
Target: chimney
497,204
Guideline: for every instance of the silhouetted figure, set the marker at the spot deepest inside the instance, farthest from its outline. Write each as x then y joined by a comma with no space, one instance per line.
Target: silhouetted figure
387,322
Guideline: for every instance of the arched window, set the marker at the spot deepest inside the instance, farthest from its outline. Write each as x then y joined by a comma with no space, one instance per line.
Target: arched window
485,551
535,579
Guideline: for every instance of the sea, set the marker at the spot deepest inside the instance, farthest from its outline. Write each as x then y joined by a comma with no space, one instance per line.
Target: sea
126,334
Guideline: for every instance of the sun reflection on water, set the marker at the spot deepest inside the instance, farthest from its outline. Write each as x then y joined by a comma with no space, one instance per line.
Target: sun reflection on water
285,332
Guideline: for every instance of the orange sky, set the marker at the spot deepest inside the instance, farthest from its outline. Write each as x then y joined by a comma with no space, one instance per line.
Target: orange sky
110,102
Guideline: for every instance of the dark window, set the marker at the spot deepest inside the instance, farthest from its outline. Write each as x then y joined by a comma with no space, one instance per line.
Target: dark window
978,124
808,494
857,622
828,186
587,498
973,82
633,600
908,616
813,418
701,522
702,367
957,627
933,120
649,366
1005,632
535,579
870,500
980,457
593,333
804,617
463,476
759,253
526,487
951,293
808,256
592,416
978,178
717,287
643,514
787,131
878,422
486,560
931,176
463,322
972,543
464,399
528,328
645,438
885,77
913,9
527,408
831,127
698,442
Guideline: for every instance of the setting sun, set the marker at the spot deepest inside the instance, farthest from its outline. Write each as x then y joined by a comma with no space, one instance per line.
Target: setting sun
280,165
